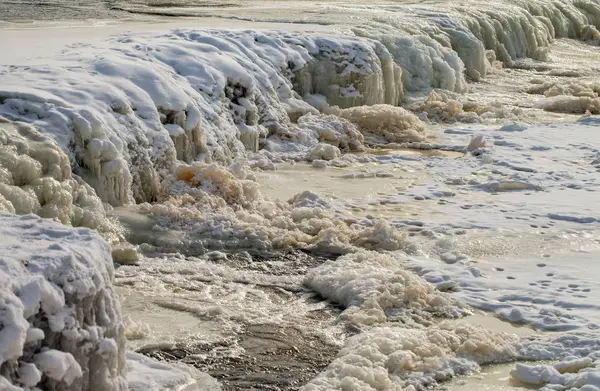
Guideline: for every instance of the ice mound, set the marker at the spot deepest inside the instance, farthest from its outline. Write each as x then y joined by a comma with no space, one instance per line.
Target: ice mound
375,287
35,177
391,124
349,72
394,358
61,320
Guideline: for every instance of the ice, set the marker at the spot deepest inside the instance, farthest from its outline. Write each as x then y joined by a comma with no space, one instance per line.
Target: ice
149,375
577,374
61,312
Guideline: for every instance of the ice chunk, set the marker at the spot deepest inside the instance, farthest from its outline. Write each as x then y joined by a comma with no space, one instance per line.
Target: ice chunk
56,289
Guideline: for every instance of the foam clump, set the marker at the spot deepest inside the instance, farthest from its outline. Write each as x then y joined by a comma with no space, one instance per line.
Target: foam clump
439,107
209,207
552,88
374,287
384,123
568,98
394,358
324,151
334,130
571,105
62,327
213,179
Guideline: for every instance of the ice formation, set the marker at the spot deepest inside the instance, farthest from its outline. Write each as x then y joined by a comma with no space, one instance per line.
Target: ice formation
61,326
61,319
36,177
574,374
195,95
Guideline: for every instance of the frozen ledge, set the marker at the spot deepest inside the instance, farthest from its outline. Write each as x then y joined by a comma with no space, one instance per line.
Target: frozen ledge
60,320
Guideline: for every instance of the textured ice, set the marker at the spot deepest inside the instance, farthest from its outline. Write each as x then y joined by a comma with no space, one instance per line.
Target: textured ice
60,311
36,177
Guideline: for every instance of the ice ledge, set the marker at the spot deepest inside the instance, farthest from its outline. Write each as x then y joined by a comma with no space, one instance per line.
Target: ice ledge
60,320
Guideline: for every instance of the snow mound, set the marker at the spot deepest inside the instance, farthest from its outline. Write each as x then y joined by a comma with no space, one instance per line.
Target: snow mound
61,320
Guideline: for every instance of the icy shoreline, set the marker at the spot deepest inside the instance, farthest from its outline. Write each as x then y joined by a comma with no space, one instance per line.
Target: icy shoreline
154,138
